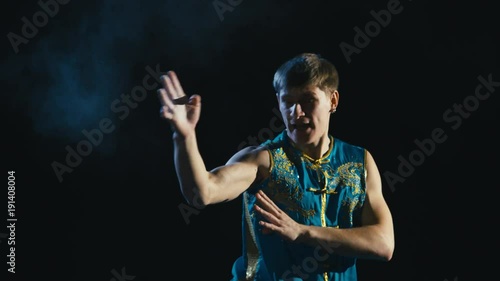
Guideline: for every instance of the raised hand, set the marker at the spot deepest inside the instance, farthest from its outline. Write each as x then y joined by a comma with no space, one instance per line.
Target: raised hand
182,111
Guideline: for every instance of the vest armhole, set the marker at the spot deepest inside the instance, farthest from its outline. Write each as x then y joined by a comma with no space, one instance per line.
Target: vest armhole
271,161
263,177
364,163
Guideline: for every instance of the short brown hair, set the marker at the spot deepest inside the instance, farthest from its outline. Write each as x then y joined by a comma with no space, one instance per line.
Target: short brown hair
304,70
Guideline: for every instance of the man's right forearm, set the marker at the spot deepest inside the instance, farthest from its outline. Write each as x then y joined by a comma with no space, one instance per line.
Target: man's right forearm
191,170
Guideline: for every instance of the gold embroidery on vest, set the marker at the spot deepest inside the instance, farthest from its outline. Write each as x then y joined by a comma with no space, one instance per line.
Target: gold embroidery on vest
286,189
349,176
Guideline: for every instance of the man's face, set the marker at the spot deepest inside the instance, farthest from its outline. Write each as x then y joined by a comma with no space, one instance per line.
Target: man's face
306,113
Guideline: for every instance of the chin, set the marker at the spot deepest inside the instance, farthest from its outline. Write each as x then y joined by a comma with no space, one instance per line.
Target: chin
300,137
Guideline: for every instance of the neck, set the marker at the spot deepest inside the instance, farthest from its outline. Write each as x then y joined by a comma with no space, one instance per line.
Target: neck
314,150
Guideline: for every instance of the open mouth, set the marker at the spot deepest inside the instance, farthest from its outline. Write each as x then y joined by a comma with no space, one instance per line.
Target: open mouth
301,126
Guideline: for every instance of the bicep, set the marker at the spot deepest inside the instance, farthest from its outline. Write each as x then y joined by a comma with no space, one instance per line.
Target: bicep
237,175
375,209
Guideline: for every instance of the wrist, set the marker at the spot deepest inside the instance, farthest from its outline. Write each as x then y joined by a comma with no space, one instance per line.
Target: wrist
178,137
303,234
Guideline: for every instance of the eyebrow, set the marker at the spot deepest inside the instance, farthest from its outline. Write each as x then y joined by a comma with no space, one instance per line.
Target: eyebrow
307,94
310,93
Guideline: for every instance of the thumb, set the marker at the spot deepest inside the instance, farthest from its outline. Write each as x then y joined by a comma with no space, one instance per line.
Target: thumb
195,100
195,104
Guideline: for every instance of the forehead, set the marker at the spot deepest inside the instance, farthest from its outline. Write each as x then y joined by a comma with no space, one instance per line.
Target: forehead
309,90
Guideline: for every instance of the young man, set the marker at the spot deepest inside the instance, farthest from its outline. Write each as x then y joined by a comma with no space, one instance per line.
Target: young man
312,203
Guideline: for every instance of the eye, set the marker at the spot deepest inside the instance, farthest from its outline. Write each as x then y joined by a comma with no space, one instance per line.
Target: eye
308,100
288,103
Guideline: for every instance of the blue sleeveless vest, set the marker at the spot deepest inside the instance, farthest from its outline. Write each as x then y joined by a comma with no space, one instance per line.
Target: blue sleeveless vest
327,192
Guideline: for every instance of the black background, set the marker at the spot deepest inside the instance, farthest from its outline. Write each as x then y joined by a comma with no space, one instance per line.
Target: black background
119,208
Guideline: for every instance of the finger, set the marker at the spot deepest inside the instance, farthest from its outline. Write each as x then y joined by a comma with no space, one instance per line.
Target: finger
269,200
267,215
267,227
263,212
162,96
176,83
169,87
166,112
263,202
164,99
195,100
267,203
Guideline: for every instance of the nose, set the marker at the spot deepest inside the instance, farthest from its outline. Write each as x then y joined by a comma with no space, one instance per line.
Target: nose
297,111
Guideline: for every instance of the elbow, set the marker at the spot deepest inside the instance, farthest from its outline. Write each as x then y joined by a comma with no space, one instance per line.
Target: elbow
381,246
382,253
201,202
386,244
386,251
196,202
387,254
197,199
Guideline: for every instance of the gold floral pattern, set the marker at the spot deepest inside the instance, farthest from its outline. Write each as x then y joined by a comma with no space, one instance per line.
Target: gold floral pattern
327,192
286,188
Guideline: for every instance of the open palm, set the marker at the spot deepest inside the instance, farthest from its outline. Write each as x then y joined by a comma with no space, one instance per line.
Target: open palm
182,111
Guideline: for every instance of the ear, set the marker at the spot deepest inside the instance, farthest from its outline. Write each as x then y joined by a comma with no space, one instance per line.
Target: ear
334,101
278,97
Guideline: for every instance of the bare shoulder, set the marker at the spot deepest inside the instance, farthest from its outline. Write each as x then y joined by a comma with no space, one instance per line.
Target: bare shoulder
369,158
372,172
253,155
370,164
